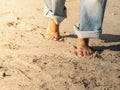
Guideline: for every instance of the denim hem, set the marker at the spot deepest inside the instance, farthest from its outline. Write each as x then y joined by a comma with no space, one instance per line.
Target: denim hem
57,19
87,34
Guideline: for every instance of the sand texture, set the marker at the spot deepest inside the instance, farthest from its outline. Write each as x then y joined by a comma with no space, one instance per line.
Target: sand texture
30,62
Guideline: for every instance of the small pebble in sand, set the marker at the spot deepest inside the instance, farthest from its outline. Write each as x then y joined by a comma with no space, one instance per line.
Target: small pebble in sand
2,74
113,13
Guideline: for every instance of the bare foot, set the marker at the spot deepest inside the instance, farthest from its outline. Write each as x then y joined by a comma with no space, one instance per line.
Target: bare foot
83,48
53,31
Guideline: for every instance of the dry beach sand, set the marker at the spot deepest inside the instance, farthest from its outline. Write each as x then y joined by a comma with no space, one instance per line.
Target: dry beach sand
30,62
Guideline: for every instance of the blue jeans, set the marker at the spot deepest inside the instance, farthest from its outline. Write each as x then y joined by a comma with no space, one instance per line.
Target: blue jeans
91,18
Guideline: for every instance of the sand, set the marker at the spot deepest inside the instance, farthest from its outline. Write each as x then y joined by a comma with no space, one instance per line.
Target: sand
30,62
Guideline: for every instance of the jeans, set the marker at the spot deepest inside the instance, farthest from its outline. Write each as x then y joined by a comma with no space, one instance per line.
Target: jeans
91,16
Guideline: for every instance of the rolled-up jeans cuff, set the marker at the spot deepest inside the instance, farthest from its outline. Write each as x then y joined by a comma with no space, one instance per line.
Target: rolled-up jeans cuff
87,34
57,19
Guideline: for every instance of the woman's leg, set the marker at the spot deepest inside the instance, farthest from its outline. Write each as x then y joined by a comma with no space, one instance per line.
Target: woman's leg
56,11
91,19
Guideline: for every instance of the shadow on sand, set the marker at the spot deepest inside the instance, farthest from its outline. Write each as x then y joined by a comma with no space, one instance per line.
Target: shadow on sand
110,38
107,38
69,36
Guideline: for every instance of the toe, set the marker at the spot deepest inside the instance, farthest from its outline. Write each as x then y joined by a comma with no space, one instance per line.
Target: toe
91,51
85,53
79,52
52,36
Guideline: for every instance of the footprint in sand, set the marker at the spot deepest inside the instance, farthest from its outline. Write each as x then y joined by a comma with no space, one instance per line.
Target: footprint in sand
13,23
12,46
10,24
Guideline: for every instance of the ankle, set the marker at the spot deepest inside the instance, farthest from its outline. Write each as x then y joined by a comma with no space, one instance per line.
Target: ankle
83,42
53,26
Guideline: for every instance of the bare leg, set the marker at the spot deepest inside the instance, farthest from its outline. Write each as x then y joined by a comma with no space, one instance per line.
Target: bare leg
83,48
53,31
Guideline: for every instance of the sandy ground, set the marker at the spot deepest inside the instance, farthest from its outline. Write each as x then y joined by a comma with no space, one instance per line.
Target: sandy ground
30,62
